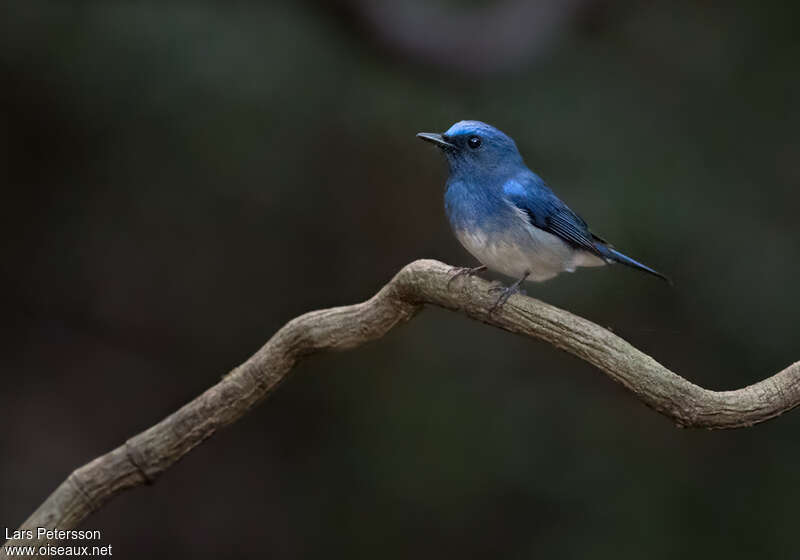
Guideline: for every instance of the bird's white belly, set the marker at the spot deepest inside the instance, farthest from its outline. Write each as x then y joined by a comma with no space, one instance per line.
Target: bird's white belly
517,252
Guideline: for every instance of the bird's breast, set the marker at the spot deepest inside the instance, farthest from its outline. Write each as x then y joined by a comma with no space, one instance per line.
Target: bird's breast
516,252
500,236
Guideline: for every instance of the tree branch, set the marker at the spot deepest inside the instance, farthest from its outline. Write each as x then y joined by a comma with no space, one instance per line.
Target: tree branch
145,456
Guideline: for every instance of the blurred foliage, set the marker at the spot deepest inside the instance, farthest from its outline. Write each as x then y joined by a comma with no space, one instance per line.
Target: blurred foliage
184,177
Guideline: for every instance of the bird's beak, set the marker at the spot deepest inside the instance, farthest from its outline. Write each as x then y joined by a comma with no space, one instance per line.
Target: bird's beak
435,138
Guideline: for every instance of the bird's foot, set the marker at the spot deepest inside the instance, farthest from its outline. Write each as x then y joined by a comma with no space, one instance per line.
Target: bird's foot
507,292
465,271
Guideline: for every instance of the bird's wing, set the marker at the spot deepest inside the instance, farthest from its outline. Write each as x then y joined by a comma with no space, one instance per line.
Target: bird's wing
547,212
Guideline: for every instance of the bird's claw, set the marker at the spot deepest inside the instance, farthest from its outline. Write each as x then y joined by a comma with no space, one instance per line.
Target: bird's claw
505,293
464,271
496,287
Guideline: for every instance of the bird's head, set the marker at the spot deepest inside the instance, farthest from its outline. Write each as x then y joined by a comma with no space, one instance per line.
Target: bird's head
475,147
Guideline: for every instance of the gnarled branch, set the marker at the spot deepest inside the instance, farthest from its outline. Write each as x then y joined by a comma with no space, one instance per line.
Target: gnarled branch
145,456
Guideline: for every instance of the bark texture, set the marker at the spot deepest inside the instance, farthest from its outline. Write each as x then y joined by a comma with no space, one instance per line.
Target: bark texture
145,456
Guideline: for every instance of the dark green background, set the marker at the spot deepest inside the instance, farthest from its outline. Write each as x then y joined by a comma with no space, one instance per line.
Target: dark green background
182,178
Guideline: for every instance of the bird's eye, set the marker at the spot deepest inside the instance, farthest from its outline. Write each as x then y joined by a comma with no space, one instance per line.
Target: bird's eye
474,142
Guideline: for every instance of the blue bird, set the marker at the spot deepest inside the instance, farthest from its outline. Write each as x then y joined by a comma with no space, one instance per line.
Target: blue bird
507,217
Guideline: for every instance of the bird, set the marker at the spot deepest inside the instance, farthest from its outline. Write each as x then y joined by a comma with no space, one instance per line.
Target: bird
507,217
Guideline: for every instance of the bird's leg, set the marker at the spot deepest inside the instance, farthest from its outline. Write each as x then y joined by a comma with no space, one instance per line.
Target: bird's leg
465,271
506,293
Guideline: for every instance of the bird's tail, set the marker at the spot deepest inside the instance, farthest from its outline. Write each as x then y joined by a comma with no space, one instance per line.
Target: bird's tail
612,255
